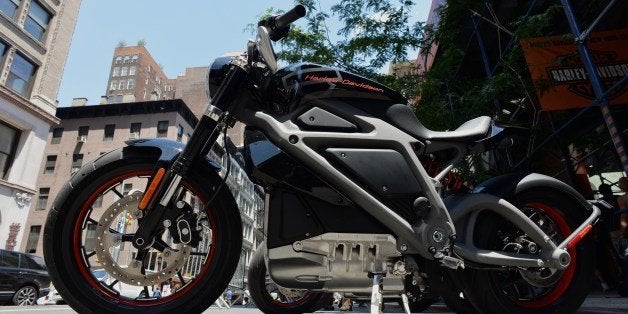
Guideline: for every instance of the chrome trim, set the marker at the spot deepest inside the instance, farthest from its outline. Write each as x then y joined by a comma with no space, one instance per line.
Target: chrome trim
172,188
213,112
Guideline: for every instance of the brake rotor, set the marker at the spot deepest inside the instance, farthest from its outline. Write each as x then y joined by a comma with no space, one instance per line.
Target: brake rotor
109,242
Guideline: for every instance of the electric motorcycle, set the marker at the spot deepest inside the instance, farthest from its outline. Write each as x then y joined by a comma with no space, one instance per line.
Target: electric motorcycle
350,206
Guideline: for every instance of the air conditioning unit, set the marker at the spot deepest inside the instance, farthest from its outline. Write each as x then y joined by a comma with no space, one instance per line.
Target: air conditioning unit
81,138
134,136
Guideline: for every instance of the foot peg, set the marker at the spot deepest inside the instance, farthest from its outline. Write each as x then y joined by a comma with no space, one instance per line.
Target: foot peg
448,261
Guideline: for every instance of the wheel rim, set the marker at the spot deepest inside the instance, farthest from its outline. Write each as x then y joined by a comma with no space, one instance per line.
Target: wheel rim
542,287
26,296
112,285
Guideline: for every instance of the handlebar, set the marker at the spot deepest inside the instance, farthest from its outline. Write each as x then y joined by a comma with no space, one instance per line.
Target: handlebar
278,26
287,18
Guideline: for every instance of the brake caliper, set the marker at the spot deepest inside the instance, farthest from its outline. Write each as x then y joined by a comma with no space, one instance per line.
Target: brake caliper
185,230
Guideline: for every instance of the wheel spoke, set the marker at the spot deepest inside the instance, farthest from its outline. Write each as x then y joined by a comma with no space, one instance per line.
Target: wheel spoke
181,278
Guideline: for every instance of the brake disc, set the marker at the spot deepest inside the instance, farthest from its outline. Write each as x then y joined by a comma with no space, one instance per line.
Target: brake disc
109,244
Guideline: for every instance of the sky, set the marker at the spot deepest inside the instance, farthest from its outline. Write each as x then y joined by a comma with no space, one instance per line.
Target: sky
178,34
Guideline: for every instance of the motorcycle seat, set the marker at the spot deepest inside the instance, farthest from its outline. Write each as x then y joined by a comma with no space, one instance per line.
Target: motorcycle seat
404,118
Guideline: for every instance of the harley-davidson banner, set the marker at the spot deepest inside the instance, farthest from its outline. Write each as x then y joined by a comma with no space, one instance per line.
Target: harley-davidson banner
560,77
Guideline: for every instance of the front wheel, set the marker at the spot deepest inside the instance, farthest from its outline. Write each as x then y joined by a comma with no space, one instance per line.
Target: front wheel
533,290
95,267
270,298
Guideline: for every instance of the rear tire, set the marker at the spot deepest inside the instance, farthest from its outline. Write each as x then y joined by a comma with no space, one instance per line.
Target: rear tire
66,248
532,291
258,285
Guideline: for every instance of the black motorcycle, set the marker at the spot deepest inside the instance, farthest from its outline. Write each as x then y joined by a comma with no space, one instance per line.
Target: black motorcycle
350,206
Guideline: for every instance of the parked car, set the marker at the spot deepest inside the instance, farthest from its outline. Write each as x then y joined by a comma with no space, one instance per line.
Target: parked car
23,278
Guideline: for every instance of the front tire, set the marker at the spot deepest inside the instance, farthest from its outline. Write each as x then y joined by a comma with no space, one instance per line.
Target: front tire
262,289
532,290
70,245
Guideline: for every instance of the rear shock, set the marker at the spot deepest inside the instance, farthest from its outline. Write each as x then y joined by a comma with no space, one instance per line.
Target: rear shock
452,182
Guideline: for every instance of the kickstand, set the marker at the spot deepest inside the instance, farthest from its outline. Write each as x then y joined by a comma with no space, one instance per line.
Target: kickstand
376,296
404,300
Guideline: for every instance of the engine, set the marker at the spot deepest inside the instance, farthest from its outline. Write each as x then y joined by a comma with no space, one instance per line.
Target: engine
338,262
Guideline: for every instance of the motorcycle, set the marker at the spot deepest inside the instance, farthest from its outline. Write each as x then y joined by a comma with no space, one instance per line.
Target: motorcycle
350,207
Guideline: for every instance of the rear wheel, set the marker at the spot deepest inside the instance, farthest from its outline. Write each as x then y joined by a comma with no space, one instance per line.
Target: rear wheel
271,298
95,267
533,290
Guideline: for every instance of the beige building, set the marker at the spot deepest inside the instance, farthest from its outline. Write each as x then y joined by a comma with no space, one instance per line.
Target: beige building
86,132
35,38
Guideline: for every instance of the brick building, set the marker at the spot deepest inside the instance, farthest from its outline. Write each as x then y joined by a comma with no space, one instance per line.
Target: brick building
35,38
136,76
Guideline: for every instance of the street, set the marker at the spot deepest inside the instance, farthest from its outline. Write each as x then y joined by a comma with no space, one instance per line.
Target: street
596,303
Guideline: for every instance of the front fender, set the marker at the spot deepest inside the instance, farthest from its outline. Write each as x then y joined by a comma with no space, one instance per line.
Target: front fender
168,150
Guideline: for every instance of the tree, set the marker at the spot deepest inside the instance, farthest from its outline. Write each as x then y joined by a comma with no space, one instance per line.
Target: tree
121,43
372,33
141,42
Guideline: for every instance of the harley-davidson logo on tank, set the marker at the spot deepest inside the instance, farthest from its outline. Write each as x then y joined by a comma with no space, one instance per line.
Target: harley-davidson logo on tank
560,77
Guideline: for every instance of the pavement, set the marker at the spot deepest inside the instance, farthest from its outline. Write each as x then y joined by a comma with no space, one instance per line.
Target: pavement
596,303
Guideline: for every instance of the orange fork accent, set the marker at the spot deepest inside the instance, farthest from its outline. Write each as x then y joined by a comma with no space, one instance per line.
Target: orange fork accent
148,195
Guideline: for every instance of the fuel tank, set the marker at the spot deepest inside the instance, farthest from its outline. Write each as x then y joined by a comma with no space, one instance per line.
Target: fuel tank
297,84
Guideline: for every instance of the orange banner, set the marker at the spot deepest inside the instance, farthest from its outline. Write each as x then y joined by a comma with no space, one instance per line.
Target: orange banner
559,75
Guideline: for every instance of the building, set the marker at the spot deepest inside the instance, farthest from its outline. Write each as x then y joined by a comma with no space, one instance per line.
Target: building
86,132
136,76
400,69
192,88
35,38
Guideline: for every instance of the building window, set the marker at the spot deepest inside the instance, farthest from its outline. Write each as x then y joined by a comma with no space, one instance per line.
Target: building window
127,59
77,162
37,20
21,75
126,188
56,135
83,131
118,98
51,161
33,239
42,200
162,128
8,145
148,68
98,201
136,129
179,133
122,85
124,71
114,85
144,95
109,131
132,70
90,238
116,71
131,84
134,58
118,59
8,7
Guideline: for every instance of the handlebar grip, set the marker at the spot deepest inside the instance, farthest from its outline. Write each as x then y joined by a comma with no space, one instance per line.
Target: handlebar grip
285,19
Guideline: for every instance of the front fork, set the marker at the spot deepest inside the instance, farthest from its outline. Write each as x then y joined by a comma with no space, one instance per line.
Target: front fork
164,189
